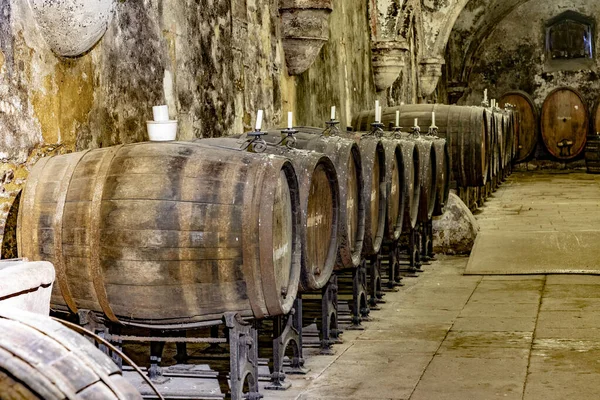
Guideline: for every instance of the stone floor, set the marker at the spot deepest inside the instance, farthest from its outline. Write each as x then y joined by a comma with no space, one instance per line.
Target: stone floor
449,336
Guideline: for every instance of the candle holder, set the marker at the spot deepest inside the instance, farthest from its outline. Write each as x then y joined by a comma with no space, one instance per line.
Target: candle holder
485,104
377,129
255,143
397,130
416,131
288,138
332,128
433,130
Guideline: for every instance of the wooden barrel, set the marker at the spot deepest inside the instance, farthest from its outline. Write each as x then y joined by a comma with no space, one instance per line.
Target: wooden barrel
374,192
490,128
41,359
564,123
165,234
463,127
442,158
526,132
345,155
412,194
592,154
396,197
319,206
427,178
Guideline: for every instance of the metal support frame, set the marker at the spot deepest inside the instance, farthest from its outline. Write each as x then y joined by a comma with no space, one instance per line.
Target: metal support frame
360,307
330,332
375,285
287,331
393,258
243,350
426,242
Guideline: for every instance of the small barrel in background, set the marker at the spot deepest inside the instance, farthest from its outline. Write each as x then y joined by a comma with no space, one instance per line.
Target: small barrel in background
412,193
442,158
592,146
396,197
319,207
165,234
564,123
427,178
463,127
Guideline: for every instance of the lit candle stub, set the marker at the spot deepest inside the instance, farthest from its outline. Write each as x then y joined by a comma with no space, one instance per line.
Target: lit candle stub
259,120
416,122
397,118
290,117
433,119
333,113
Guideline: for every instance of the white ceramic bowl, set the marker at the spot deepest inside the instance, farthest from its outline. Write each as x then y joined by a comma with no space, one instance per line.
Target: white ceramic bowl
162,131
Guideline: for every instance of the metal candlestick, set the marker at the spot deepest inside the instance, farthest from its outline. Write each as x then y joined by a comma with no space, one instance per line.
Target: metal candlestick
288,138
377,129
332,128
416,131
255,142
433,130
397,131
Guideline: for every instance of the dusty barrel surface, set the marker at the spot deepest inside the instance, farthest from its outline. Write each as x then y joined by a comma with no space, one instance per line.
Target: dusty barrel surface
526,124
463,127
165,233
411,188
41,359
564,123
592,146
442,170
374,190
319,207
396,197
345,155
427,178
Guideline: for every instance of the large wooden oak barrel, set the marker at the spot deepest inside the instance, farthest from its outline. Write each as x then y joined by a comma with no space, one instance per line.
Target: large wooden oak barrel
564,123
396,197
345,155
319,205
168,235
463,127
526,129
374,190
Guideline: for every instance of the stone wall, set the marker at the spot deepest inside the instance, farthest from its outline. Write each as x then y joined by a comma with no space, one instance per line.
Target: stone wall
214,62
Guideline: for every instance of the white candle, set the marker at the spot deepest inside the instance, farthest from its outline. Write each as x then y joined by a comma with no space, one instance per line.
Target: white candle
433,119
259,118
397,118
379,114
290,116
332,113
485,95
416,122
377,111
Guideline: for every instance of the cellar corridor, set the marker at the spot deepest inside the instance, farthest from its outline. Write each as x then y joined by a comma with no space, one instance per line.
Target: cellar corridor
447,335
